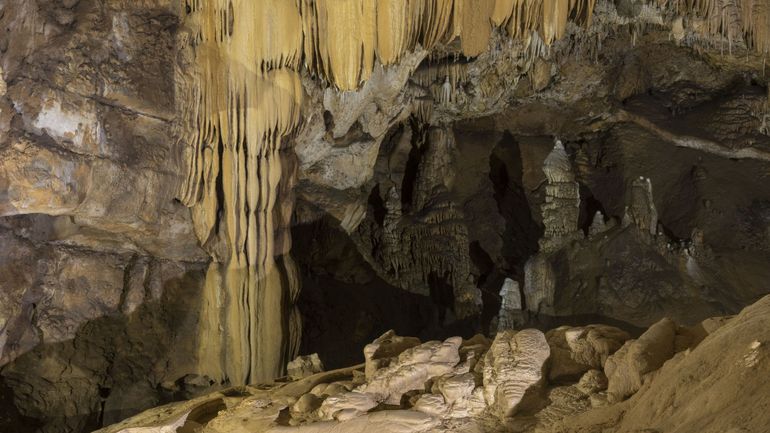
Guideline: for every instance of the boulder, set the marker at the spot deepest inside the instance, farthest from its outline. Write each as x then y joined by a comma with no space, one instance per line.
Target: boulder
382,351
626,368
576,350
304,366
513,367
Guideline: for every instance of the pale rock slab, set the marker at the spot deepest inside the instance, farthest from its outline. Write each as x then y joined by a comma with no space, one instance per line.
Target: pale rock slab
514,365
347,406
413,369
167,428
575,350
625,369
385,349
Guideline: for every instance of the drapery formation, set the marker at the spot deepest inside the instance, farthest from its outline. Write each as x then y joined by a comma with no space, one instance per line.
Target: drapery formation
344,37
746,21
243,98
241,95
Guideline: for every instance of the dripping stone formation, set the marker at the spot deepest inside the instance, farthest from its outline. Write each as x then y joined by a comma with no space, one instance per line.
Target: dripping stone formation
538,216
244,98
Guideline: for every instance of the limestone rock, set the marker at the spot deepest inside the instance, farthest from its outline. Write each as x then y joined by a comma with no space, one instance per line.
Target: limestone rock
385,350
413,369
304,366
539,284
598,226
347,405
513,367
575,351
626,368
392,421
592,381
642,208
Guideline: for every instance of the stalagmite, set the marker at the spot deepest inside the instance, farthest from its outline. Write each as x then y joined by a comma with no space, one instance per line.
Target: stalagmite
539,284
562,201
514,365
510,306
598,226
642,207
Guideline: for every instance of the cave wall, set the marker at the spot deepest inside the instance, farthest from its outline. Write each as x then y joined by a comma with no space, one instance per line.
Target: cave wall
102,273
101,270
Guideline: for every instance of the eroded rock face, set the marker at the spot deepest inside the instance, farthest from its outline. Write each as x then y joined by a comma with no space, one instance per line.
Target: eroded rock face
100,264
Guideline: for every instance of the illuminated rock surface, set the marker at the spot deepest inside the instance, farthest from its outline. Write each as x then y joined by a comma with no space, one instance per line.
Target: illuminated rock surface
193,193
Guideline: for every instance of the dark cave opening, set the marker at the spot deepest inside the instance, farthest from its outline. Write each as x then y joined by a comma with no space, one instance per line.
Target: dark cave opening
344,305
521,234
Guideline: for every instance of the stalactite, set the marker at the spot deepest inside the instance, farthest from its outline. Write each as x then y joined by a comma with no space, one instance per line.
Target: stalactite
245,97
342,38
240,96
734,20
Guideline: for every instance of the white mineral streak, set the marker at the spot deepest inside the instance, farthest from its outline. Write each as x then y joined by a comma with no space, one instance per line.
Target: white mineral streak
513,365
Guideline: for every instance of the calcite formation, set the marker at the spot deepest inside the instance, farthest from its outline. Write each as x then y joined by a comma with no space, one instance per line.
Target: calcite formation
577,350
459,401
562,201
642,210
539,284
510,306
512,367
420,243
103,306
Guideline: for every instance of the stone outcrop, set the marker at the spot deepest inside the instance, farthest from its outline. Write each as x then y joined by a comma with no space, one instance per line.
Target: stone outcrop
457,401
626,368
304,366
577,350
385,350
514,366
420,243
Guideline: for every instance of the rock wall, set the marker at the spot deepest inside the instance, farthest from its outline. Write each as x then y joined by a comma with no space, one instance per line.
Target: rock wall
420,146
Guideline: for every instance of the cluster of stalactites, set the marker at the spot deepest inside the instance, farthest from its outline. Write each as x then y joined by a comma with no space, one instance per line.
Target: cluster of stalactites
249,96
241,97
342,38
736,20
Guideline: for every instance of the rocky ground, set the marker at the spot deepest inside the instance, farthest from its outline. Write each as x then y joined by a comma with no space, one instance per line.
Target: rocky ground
593,378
